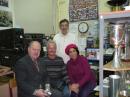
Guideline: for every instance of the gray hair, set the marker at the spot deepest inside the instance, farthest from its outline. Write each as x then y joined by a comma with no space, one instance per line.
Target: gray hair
51,42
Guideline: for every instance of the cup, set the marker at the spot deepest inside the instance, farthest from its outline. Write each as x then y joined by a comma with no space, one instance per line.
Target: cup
117,36
48,88
114,83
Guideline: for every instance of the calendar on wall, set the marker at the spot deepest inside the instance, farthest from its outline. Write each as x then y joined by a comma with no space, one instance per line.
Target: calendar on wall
82,10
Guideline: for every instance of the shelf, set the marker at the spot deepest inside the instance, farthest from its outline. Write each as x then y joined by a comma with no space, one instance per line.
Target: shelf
125,67
116,17
93,60
104,18
116,14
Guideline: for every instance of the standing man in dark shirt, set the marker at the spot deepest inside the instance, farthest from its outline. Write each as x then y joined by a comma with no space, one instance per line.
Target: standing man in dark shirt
56,69
30,74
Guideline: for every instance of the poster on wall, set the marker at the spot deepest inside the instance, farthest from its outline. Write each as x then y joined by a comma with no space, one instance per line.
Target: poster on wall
6,19
4,3
6,16
82,10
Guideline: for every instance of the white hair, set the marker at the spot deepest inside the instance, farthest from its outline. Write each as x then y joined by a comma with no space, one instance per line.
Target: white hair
51,42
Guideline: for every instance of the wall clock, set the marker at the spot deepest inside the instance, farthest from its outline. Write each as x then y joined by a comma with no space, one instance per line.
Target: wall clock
83,27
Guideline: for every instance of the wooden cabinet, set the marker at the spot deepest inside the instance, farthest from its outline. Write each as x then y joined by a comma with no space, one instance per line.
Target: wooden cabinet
8,89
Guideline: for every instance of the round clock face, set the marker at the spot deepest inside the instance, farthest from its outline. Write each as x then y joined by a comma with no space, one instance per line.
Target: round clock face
83,27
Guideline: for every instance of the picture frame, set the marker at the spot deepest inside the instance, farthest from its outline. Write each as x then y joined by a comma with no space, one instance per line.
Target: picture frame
92,53
6,19
6,14
82,10
4,3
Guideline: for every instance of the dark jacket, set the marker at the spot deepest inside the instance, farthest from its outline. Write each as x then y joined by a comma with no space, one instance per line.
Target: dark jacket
27,76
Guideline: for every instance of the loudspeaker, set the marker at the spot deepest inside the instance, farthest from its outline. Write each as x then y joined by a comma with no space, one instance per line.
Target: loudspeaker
18,39
12,39
8,58
11,46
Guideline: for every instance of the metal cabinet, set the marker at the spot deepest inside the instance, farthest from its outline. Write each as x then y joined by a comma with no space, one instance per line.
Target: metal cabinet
117,17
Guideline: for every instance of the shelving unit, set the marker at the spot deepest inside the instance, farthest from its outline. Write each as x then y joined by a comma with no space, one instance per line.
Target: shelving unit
125,67
116,17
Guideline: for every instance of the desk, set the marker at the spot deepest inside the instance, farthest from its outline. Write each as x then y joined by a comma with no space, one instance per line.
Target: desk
6,86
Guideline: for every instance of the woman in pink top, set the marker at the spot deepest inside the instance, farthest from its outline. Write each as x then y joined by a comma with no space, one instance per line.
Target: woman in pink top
82,80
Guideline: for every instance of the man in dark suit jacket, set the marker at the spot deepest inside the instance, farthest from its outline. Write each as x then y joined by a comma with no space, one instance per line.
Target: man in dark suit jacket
30,75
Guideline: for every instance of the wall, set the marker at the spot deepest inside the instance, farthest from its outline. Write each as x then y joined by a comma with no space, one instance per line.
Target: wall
63,8
35,16
103,6
44,18
63,12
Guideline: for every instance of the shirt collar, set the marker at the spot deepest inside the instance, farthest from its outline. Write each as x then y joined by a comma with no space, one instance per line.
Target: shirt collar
64,35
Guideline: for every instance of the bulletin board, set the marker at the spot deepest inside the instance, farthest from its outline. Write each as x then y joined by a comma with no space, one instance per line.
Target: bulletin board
82,10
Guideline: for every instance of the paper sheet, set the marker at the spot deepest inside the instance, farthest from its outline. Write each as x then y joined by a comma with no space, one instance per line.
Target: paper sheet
73,28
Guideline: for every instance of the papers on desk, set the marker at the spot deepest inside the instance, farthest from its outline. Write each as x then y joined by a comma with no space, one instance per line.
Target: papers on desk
4,69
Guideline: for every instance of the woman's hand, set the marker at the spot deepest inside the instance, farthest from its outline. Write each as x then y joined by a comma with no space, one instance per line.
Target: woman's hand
74,87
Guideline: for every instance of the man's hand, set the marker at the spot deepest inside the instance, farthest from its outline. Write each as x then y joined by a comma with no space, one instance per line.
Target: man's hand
74,87
40,93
